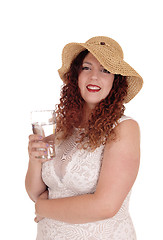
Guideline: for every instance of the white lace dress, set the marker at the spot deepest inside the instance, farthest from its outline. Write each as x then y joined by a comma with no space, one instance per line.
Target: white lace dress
75,172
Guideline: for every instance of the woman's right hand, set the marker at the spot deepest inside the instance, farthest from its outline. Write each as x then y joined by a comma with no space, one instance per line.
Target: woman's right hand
37,149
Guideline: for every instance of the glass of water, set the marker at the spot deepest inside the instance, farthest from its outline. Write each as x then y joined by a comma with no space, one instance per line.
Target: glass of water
44,124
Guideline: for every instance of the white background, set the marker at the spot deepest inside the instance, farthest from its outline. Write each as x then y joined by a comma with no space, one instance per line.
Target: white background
32,35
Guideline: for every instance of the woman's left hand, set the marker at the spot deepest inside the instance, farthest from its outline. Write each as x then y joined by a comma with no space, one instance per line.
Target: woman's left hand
38,218
44,195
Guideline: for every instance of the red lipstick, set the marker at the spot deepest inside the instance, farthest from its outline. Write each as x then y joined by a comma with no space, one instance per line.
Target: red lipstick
93,88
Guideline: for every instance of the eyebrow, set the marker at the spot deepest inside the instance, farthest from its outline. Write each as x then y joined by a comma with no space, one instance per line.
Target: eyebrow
87,63
91,63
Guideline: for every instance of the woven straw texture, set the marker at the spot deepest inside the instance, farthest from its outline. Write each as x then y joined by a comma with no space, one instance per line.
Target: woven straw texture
109,53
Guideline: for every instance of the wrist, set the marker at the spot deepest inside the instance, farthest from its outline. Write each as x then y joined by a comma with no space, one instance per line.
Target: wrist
35,164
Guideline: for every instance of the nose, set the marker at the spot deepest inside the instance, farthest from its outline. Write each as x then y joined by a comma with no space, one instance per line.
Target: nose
94,74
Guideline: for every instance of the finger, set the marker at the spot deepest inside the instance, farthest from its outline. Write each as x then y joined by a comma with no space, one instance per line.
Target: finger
38,145
35,137
36,220
39,157
40,154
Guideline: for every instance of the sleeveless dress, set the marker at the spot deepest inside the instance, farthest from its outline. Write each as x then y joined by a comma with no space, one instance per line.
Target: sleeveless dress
74,172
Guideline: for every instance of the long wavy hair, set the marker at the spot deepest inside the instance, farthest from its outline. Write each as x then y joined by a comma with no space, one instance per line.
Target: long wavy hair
100,126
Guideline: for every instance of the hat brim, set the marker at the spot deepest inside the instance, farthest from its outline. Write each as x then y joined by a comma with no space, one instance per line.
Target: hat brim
114,64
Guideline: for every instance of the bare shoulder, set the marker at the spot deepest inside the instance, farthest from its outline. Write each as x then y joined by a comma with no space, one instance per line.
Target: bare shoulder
127,130
128,126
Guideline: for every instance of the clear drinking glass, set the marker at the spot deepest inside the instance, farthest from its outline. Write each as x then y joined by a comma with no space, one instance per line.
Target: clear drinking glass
44,124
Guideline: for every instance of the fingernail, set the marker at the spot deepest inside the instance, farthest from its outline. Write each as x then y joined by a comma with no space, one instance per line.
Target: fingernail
45,152
40,137
47,145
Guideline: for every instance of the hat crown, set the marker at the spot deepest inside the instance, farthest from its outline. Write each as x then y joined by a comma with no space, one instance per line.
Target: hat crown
108,42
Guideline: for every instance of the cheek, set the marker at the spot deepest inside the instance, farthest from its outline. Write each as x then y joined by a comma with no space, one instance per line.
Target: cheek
112,78
109,82
109,86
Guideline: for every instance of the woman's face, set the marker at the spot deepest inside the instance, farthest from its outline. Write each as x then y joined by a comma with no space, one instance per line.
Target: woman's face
94,81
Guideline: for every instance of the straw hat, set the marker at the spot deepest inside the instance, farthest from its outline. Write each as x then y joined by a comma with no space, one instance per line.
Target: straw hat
109,53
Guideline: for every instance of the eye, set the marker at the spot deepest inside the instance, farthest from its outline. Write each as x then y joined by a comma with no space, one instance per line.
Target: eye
85,68
105,71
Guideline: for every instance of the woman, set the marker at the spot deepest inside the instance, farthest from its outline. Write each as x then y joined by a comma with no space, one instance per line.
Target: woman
84,192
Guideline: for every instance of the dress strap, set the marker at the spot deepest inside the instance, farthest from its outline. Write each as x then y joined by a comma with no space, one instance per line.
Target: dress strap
123,118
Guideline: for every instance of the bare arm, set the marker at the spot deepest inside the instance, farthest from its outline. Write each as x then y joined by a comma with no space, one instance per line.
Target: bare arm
33,182
118,173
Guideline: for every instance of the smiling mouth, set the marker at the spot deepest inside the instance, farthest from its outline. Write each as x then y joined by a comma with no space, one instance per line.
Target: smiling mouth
93,88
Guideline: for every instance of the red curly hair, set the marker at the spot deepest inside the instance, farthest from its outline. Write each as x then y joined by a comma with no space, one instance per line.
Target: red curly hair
100,127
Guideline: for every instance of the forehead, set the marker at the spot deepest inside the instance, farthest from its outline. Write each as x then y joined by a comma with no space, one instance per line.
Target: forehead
90,59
